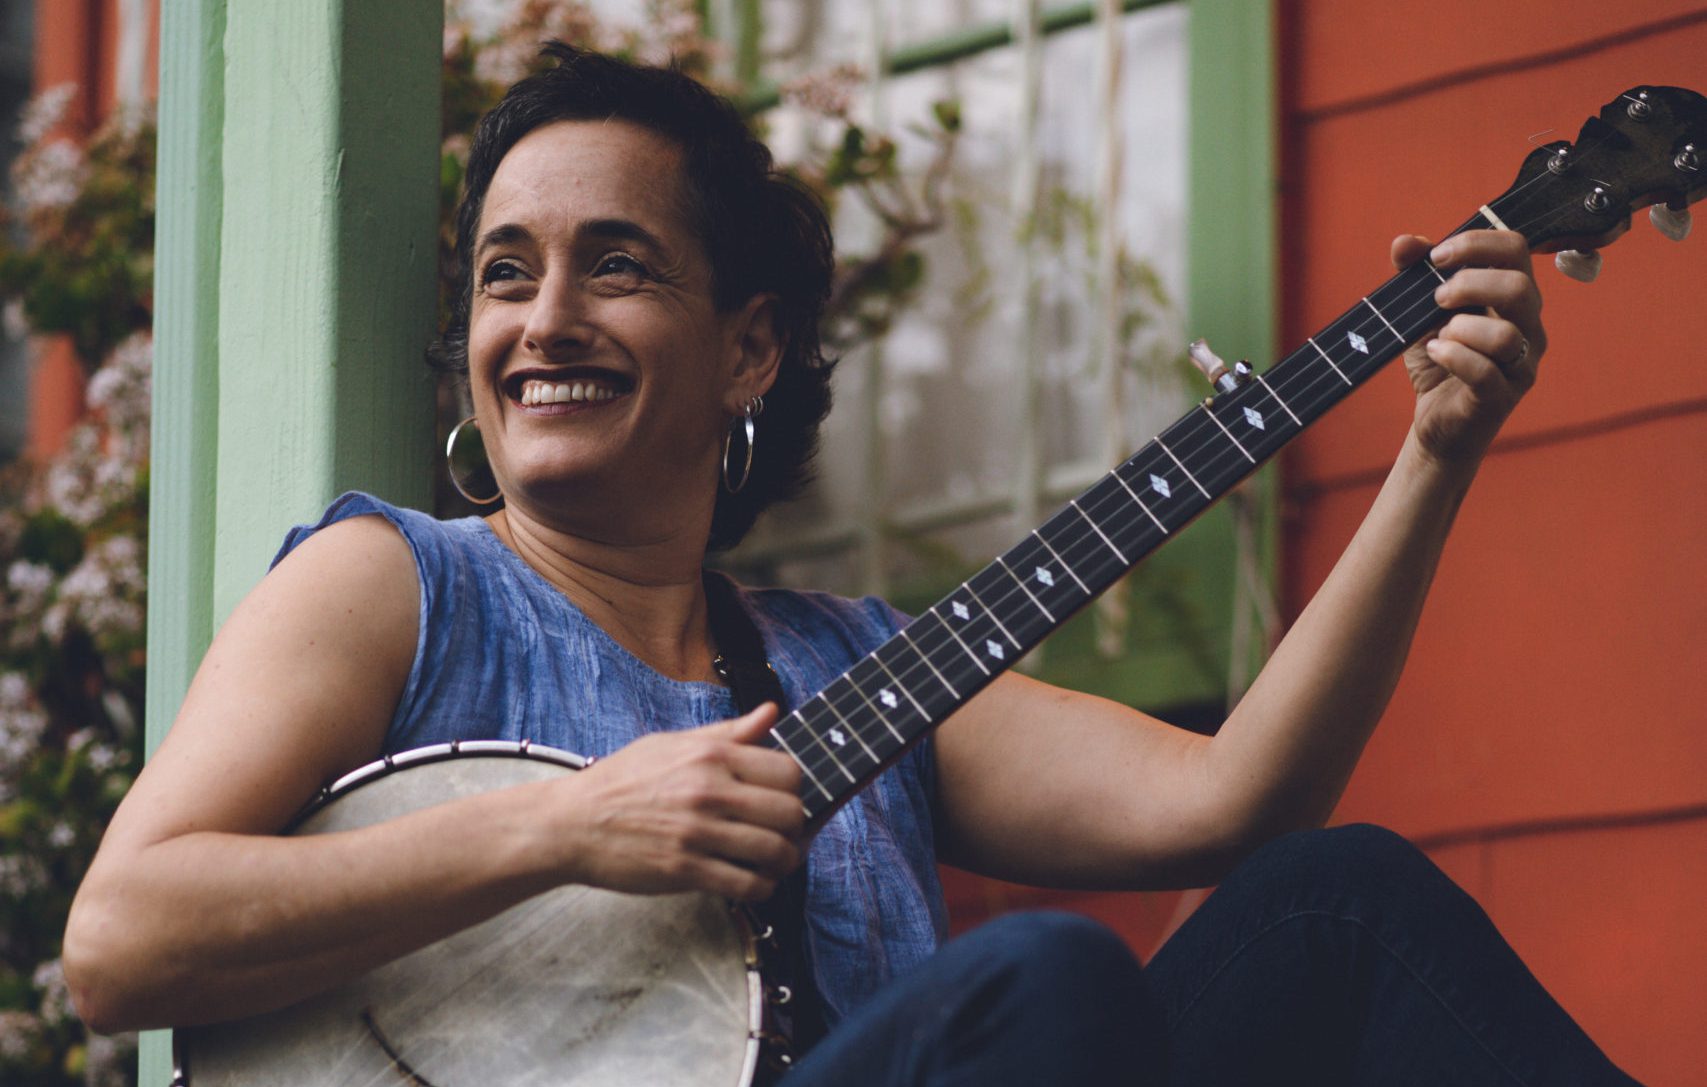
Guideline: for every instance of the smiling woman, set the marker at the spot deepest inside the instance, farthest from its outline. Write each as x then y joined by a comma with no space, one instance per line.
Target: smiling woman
636,281
698,215
588,278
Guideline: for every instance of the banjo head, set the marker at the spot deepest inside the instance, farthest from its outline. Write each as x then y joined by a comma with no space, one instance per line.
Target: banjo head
577,986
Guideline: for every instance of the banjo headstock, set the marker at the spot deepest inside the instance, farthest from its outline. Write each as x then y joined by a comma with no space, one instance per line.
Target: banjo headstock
1647,147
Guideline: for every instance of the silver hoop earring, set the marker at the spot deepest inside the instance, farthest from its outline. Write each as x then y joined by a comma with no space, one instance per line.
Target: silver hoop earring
466,465
754,407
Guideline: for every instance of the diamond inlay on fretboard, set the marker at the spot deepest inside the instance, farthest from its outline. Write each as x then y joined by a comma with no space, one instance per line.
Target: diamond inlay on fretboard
887,697
837,738
1160,486
960,611
1045,576
994,649
1357,342
1254,417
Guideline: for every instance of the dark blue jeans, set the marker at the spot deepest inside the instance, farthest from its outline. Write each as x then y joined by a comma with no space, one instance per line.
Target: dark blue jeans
1329,957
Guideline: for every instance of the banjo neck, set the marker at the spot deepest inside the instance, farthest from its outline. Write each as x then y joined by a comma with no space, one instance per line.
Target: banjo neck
1644,148
849,732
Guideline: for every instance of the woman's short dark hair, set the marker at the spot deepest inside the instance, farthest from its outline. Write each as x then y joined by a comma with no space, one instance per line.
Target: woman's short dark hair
762,231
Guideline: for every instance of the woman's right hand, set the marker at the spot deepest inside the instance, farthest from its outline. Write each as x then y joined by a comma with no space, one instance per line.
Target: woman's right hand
700,810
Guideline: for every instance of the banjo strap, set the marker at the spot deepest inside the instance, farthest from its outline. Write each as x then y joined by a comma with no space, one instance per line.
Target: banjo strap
741,658
794,1006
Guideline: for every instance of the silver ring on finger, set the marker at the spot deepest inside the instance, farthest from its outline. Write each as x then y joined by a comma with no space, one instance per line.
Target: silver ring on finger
1522,352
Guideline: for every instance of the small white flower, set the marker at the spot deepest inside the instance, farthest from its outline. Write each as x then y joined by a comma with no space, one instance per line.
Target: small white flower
103,757
14,691
18,1033
120,388
29,580
50,178
13,321
20,734
109,1060
456,35
829,92
22,722
55,621
123,717
44,111
55,993
21,875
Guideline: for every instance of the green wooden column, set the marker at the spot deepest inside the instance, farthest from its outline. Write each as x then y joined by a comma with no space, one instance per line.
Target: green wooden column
1230,292
1231,277
327,266
295,293
186,377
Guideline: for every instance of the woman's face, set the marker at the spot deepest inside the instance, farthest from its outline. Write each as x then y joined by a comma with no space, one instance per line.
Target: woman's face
600,369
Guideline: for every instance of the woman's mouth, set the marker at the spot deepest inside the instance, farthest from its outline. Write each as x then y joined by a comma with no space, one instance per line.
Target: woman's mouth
556,396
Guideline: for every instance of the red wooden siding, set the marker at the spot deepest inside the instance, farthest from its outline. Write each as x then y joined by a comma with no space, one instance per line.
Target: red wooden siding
1557,678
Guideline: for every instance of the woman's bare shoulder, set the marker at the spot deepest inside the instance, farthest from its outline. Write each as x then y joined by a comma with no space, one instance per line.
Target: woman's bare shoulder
299,686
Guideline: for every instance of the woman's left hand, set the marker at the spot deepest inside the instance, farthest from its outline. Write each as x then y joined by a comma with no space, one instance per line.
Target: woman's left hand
1472,373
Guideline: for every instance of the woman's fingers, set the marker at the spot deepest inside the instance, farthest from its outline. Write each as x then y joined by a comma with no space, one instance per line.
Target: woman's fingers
1499,341
1407,249
1480,373
1482,249
1473,370
749,728
712,809
763,851
1485,272
774,809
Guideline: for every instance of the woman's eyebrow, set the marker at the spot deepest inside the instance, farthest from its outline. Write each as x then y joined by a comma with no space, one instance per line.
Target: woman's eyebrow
624,230
612,229
502,234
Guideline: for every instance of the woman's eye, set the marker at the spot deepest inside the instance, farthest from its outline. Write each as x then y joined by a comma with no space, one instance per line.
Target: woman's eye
499,271
619,264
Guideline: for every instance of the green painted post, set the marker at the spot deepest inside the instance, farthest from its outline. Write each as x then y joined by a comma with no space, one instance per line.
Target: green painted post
297,240
1230,278
186,379
327,277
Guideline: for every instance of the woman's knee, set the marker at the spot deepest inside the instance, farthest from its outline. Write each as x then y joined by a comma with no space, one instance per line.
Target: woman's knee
1356,870
1362,853
1068,981
1047,951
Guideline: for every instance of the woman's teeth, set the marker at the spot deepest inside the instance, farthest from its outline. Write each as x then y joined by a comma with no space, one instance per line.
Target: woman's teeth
570,392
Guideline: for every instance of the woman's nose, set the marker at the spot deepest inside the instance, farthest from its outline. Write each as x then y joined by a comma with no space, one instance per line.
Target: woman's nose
557,320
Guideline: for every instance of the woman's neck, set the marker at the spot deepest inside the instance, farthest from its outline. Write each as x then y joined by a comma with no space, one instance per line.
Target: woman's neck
645,593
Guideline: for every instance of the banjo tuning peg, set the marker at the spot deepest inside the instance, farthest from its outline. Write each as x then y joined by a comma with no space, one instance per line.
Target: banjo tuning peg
1579,264
1674,223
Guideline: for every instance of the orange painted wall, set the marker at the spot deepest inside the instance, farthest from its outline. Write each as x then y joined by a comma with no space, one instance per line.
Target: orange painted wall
1557,681
76,42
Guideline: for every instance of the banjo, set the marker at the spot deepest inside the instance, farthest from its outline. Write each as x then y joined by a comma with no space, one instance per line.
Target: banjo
593,988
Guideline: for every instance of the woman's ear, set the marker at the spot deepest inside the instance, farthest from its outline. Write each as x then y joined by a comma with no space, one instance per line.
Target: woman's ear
755,346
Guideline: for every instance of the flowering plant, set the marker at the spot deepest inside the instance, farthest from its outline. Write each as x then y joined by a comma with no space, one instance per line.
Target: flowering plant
72,536
86,266
71,683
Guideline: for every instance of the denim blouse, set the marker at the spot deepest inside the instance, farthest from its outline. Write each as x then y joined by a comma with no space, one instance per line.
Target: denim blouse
503,655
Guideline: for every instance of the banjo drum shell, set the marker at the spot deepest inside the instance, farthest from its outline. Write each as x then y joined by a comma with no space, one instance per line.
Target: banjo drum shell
577,986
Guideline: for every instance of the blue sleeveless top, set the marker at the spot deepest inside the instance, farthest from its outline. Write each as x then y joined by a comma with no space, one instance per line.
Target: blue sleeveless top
503,655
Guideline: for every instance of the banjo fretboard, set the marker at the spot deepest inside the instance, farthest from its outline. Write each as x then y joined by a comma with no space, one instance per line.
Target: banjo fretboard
859,724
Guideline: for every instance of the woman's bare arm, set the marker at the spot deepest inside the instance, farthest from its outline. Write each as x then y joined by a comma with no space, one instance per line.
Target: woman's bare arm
195,911
1050,786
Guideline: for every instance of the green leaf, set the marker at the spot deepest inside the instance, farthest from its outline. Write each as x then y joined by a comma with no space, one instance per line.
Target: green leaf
52,539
